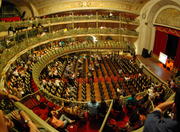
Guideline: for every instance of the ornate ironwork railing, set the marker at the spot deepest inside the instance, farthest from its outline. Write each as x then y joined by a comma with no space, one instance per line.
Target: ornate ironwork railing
28,23
16,47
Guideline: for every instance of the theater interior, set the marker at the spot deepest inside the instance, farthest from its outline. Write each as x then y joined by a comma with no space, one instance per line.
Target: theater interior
102,64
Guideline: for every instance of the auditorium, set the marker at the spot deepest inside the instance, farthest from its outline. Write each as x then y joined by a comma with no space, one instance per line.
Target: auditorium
89,65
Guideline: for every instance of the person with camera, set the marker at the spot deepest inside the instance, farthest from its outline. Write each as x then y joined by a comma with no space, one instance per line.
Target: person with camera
156,122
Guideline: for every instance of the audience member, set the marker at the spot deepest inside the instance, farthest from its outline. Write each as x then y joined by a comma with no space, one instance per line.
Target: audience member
12,97
59,123
156,122
132,102
93,108
117,110
134,119
16,120
102,109
8,122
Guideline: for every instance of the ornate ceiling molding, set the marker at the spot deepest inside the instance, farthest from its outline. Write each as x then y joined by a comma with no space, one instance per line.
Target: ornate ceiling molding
45,7
169,17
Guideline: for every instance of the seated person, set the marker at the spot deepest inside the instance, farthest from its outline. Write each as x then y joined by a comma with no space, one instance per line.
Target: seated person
12,97
102,109
59,123
9,122
15,119
134,119
169,64
156,122
117,112
75,111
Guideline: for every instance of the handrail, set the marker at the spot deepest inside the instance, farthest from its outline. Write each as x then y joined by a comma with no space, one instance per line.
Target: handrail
106,117
35,118
51,55
28,95
9,53
32,32
5,25
46,126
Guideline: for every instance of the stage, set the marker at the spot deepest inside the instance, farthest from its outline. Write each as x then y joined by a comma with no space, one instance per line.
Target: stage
156,67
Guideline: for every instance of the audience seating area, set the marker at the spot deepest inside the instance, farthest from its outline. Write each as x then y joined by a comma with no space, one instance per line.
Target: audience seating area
78,78
84,76
49,66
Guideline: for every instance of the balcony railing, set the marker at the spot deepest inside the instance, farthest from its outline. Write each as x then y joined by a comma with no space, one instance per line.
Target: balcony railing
28,23
14,47
26,35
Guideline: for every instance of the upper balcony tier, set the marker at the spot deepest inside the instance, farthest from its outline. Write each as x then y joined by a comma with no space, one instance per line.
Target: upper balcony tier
75,17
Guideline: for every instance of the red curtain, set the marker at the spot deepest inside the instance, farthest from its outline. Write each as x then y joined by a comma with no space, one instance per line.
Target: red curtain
167,30
160,42
177,58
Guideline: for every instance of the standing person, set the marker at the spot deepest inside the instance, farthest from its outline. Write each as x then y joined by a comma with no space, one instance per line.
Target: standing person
102,109
155,121
93,108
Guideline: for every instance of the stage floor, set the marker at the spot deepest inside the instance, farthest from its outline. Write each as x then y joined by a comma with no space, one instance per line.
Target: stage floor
156,67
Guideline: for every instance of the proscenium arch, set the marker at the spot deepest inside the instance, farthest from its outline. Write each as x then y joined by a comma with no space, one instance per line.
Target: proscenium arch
162,9
147,17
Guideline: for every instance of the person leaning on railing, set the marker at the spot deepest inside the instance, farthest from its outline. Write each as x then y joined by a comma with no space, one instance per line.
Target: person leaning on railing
156,122
9,121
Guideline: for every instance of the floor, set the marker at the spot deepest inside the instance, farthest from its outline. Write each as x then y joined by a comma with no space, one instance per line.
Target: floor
156,67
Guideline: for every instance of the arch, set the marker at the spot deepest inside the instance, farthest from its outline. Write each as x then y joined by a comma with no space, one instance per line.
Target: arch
163,8
25,6
147,17
33,9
